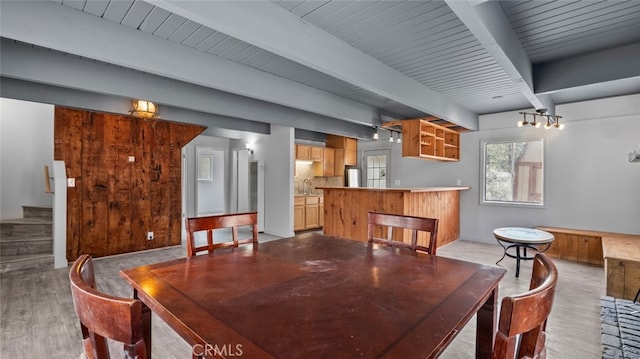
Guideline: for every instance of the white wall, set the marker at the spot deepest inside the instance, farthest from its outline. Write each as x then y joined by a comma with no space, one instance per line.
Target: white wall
277,152
26,145
189,169
589,182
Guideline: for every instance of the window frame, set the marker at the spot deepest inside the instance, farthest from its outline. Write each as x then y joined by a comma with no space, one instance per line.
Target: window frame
483,158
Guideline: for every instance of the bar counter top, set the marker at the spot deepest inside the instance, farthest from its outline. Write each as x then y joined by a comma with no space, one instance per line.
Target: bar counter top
423,189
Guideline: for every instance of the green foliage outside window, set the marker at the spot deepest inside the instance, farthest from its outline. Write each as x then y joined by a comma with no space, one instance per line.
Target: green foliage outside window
513,171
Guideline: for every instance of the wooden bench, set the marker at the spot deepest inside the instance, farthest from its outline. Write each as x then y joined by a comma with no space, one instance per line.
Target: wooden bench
618,252
577,245
622,265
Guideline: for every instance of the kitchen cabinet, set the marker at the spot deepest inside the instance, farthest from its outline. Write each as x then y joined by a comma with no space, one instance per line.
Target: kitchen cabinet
303,152
424,139
346,152
317,154
328,163
298,213
309,153
326,166
308,212
311,219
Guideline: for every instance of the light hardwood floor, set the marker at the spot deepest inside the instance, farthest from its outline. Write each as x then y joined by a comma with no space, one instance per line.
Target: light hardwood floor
38,320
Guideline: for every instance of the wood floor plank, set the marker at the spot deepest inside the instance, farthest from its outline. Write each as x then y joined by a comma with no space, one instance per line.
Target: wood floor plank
38,321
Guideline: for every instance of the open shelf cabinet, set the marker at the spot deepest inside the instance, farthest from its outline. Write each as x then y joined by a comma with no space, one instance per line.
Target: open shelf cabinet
423,139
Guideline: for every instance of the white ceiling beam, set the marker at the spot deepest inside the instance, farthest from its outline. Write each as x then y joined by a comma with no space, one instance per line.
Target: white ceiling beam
51,25
588,69
488,23
41,66
272,28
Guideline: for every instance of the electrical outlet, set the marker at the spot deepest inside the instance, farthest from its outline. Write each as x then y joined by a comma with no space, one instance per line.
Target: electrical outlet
149,236
71,182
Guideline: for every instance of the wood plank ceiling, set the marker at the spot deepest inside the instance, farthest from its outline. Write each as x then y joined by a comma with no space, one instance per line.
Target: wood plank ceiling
465,67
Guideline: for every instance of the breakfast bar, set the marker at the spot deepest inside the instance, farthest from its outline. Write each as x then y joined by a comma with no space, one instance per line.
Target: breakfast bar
346,209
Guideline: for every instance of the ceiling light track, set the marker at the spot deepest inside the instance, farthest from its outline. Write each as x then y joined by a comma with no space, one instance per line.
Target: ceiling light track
540,118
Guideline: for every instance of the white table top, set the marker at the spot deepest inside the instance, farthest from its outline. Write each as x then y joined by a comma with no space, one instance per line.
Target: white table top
522,235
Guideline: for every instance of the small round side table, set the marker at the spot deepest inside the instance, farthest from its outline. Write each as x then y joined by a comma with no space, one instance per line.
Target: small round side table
522,239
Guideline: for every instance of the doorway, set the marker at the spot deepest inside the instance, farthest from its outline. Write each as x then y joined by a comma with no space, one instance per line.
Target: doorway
210,170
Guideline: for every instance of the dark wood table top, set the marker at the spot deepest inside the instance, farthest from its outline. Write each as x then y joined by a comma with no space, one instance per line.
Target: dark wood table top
318,296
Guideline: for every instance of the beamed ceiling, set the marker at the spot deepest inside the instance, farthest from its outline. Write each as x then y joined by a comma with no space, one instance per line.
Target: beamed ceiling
355,62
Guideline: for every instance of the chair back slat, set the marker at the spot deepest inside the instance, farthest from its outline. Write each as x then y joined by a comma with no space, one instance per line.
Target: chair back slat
523,317
411,223
210,223
105,316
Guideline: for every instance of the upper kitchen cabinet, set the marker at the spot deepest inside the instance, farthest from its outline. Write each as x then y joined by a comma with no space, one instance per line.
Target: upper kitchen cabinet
346,152
317,154
425,139
303,152
326,166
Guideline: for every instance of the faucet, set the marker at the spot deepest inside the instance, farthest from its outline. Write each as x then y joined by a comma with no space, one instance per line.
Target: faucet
304,183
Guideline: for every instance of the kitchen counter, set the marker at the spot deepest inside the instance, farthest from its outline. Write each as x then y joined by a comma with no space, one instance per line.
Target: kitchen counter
346,209
423,189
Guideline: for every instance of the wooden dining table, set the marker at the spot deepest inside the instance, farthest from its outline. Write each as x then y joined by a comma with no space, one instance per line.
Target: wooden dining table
316,296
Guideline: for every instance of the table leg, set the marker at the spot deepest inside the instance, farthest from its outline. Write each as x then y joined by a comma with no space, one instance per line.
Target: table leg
486,324
146,325
518,261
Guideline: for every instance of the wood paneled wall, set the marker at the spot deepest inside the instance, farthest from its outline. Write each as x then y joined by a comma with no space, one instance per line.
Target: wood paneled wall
115,201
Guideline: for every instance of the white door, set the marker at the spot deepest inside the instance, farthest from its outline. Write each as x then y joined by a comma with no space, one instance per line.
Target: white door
376,168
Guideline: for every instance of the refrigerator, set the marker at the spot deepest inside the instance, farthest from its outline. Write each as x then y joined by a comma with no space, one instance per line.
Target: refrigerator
352,177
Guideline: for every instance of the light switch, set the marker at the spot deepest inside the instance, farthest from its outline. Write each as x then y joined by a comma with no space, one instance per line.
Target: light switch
132,159
71,182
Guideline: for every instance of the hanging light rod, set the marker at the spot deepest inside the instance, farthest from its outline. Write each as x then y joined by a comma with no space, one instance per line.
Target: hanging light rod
394,135
545,118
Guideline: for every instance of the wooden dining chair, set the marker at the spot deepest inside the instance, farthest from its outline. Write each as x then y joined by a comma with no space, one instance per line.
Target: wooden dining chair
523,317
103,316
415,224
211,223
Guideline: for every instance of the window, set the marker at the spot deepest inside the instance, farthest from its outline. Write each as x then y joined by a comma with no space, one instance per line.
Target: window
513,172
376,164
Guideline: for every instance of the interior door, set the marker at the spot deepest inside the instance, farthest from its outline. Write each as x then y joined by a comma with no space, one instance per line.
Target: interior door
376,168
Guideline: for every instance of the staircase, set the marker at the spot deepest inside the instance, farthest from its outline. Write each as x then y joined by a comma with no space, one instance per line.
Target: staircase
26,244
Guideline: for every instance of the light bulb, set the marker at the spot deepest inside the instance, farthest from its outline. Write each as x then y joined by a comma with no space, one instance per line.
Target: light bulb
375,136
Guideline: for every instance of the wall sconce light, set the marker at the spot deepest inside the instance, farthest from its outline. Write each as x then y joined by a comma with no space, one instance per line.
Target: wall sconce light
143,108
548,120
250,147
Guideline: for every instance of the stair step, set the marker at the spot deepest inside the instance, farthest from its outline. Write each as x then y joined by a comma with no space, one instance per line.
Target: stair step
37,212
25,263
26,227
33,245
